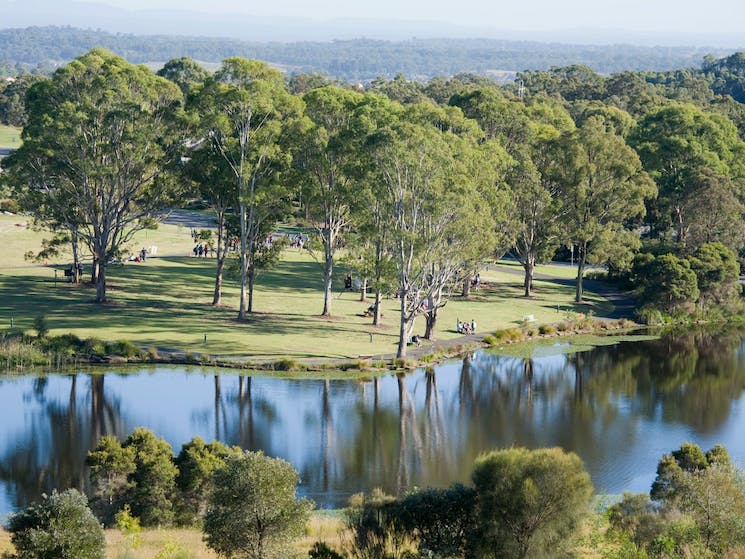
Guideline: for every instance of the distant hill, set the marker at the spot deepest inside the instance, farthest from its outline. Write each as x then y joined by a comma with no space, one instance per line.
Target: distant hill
348,60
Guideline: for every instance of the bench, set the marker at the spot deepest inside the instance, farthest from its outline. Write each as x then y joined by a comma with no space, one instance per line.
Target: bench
528,318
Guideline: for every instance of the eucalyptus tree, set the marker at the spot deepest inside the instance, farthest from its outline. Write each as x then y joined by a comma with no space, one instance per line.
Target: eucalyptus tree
325,157
185,72
431,207
528,133
243,110
99,138
679,145
216,183
606,187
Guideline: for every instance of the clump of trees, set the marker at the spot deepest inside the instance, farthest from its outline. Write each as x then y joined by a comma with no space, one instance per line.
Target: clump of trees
424,182
523,503
696,508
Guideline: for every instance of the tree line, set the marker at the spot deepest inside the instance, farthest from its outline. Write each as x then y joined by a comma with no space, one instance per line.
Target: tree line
521,503
422,183
44,48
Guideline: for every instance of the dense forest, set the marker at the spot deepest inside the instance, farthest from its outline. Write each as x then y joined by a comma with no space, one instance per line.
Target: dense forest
43,48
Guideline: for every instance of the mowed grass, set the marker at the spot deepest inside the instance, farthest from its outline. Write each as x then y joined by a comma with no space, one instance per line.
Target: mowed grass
165,303
10,137
558,270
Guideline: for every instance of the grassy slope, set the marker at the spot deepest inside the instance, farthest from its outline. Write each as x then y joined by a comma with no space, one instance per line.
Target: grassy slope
10,137
165,302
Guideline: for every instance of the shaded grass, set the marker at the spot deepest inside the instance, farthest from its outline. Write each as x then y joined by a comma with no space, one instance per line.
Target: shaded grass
165,303
10,137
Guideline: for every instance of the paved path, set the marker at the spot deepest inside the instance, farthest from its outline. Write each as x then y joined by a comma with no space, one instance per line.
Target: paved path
190,219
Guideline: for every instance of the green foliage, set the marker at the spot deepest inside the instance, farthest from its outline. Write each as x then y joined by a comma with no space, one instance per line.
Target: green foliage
530,503
717,272
666,282
321,550
688,458
441,520
372,522
110,466
196,465
60,527
41,326
253,511
152,491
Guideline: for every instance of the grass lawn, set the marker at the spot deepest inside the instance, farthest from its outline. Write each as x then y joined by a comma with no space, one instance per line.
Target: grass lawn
10,137
558,270
165,302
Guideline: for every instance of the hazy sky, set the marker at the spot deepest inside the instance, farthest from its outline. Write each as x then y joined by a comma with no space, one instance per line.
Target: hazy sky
634,15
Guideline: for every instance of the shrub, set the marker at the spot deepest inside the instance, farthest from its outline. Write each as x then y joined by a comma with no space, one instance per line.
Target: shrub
41,326
322,551
124,348
10,206
650,316
547,329
152,354
253,510
530,502
60,527
490,340
563,327
288,365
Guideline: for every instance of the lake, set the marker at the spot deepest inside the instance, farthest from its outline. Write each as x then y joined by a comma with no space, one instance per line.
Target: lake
619,406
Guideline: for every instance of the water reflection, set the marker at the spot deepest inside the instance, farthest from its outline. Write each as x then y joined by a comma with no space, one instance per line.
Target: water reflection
619,406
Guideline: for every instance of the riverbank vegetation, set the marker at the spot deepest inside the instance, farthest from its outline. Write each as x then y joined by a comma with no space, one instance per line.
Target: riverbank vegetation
521,503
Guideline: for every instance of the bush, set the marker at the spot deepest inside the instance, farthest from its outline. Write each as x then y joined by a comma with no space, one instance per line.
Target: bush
60,527
10,206
650,316
253,510
322,551
124,348
152,354
530,502
547,329
563,327
41,326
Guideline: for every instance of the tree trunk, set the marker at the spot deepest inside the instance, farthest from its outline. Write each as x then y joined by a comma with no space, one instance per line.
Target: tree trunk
251,278
221,251
581,260
431,322
466,292
75,258
363,290
101,284
328,269
376,313
94,270
529,267
403,327
244,262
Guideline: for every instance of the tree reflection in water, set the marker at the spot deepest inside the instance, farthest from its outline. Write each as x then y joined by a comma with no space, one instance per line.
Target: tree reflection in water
618,406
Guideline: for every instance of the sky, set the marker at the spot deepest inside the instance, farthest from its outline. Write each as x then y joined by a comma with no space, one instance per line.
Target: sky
689,16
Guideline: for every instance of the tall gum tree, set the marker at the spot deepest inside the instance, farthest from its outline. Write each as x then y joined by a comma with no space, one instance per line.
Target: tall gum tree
101,132
243,110
678,144
606,187
428,202
324,156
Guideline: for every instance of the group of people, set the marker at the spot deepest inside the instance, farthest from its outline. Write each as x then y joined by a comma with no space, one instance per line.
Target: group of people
466,327
201,250
297,241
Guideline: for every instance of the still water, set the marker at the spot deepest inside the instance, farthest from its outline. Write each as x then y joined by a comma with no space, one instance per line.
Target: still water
620,407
